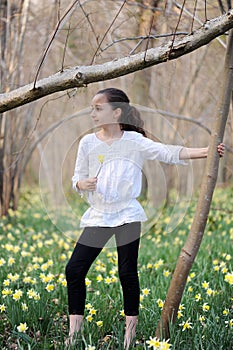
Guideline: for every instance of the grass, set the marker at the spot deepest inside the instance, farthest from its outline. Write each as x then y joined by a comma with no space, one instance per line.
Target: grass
33,301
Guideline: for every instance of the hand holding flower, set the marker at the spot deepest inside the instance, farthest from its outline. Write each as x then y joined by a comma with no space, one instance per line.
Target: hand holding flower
87,184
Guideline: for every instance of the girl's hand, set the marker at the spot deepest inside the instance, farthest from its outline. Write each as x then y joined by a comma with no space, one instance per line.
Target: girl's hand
87,184
221,149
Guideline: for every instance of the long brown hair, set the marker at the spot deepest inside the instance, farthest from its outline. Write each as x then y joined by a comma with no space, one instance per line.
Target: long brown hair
130,119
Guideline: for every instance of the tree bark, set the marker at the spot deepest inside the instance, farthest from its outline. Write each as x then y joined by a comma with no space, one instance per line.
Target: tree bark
84,75
193,242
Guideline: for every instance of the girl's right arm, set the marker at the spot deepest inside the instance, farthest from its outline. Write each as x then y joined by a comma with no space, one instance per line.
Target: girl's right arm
81,171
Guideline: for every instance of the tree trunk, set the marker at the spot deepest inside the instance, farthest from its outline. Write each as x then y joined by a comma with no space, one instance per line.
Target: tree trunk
13,25
3,15
193,242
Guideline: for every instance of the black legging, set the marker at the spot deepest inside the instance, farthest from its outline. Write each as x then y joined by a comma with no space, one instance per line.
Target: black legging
86,251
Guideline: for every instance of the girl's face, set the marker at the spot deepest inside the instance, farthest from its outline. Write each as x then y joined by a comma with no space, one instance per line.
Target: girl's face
102,112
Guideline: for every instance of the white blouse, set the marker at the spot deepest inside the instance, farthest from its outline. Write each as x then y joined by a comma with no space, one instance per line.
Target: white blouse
118,168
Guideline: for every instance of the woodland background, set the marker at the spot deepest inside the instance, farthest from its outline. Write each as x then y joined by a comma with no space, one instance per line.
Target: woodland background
34,151
178,100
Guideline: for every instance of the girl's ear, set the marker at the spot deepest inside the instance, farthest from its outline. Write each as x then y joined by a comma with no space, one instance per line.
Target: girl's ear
117,113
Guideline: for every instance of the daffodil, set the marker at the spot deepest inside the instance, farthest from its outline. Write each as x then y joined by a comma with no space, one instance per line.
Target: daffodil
32,294
11,261
101,160
22,327
2,262
2,308
6,291
229,278
205,285
164,345
179,314
145,291
153,342
89,318
88,306
166,273
122,313
186,325
6,283
229,323
87,282
225,312
99,323
92,311
210,292
205,307
50,287
198,297
24,307
108,280
160,303
17,294
201,318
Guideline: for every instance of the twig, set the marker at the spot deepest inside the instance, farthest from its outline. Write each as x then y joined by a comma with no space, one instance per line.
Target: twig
223,210
198,21
59,23
88,20
221,6
148,40
194,12
64,50
142,38
144,6
31,132
206,12
174,36
105,34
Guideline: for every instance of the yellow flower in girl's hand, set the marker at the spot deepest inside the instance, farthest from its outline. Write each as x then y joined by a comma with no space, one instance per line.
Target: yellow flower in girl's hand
101,158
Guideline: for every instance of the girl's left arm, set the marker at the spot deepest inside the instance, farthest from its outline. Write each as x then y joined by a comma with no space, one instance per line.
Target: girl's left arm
197,153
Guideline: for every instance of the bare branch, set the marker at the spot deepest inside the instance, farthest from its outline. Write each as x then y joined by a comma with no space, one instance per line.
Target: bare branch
59,24
84,75
105,34
142,38
64,50
90,24
180,15
198,21
142,5
194,12
148,40
206,19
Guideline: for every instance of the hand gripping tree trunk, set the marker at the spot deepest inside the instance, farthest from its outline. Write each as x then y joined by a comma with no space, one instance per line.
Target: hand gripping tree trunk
193,242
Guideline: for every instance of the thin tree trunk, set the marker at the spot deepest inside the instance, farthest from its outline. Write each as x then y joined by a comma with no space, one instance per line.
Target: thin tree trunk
193,242
3,15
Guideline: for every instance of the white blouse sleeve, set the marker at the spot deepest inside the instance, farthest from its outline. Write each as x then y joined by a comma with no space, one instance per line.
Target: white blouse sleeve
81,170
165,153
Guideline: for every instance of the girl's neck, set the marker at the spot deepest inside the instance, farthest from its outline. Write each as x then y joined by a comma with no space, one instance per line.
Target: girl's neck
112,132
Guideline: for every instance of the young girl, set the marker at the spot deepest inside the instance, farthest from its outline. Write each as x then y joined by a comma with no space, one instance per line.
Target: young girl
108,169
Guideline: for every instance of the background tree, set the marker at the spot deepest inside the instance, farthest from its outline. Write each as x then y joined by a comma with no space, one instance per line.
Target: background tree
193,242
